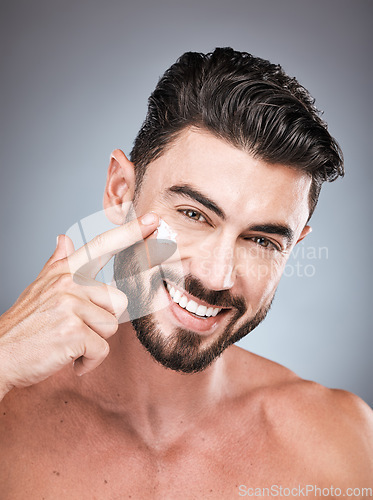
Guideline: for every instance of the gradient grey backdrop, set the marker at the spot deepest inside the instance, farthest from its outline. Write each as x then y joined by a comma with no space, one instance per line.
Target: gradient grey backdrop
75,78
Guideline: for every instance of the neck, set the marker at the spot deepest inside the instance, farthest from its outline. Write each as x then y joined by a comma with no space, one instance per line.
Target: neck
155,401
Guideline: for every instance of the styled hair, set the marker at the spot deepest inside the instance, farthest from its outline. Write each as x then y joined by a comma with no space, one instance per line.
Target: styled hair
247,101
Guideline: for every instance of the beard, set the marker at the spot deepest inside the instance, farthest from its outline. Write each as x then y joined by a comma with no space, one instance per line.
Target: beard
182,350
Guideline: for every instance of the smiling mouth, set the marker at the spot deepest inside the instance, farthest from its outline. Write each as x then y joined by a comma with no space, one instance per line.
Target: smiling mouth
195,307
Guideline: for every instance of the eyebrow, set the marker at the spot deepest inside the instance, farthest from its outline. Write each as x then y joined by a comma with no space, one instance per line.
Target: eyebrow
194,194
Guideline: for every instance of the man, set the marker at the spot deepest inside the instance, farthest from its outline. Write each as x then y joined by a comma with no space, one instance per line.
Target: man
231,157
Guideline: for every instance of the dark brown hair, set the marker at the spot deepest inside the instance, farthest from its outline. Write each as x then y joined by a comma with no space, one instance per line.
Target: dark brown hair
247,101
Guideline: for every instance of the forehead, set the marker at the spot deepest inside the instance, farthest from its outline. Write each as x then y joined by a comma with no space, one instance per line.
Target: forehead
239,183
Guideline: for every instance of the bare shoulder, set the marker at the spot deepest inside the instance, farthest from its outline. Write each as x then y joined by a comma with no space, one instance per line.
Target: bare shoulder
332,428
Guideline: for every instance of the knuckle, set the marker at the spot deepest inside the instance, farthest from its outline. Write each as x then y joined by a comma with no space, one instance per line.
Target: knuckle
66,302
104,349
108,326
64,281
72,325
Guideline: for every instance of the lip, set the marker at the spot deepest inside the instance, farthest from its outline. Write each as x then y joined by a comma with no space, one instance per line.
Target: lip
191,322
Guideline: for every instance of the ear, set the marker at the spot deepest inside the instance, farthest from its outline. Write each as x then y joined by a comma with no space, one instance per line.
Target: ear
306,230
120,187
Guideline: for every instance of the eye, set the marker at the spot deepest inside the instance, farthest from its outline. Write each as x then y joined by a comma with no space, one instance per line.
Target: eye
193,214
264,242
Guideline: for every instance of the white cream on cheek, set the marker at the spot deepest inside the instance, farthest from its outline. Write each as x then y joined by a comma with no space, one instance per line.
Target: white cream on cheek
165,232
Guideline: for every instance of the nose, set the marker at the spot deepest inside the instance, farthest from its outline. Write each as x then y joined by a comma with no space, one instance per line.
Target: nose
214,264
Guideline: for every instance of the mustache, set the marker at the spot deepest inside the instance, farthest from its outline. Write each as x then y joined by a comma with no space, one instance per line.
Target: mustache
194,286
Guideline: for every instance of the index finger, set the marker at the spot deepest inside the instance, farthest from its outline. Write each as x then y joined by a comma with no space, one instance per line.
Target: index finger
92,257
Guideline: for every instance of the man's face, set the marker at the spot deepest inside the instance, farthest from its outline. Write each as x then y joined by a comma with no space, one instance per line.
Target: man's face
236,219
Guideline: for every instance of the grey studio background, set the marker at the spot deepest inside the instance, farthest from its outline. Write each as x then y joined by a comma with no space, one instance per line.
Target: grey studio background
75,79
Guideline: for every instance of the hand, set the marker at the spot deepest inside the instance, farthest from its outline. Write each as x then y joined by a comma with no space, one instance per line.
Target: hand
65,315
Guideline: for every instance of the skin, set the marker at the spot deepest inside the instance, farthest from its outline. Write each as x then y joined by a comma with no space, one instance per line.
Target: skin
130,428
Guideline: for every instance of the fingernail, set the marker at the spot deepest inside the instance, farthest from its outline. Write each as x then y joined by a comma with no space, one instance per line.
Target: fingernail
149,219
159,219
57,240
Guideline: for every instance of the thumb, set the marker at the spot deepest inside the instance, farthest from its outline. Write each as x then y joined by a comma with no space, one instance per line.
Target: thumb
64,248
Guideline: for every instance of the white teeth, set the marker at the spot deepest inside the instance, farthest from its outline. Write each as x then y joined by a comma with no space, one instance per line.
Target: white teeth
183,302
176,298
201,310
191,305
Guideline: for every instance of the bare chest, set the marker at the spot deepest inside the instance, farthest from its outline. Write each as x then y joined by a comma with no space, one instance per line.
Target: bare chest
70,457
